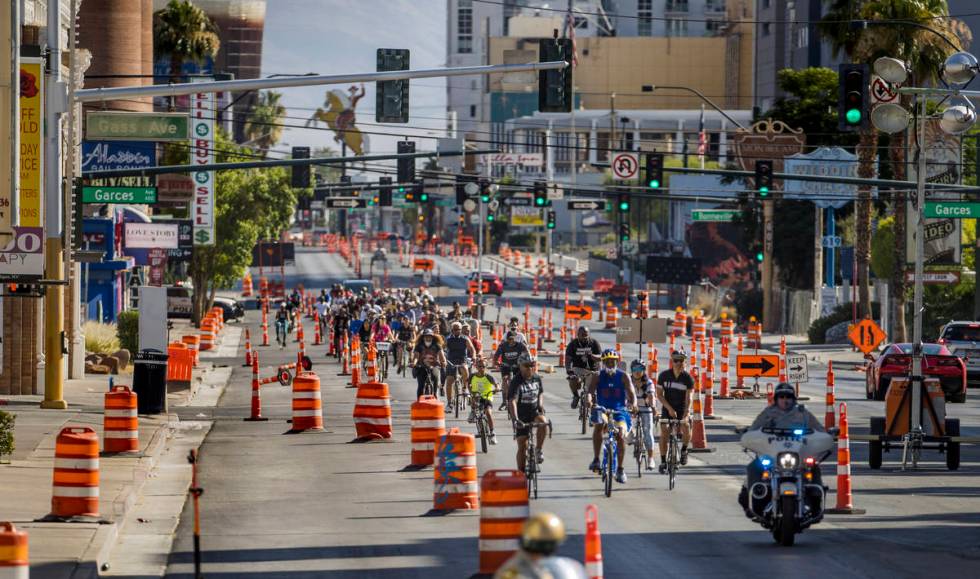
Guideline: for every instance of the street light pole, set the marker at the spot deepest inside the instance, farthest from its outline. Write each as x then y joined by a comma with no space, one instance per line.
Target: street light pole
920,196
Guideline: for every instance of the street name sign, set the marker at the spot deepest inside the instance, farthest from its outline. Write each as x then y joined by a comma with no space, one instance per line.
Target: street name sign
763,366
935,277
345,203
724,215
517,201
952,210
587,205
126,126
865,335
134,195
796,368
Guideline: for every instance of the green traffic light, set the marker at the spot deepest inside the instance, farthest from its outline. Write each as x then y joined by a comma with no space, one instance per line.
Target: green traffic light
424,197
539,201
485,198
654,184
490,218
764,191
624,206
759,256
401,189
853,116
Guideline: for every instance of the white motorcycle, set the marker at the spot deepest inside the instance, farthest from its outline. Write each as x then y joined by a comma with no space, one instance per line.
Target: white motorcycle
789,496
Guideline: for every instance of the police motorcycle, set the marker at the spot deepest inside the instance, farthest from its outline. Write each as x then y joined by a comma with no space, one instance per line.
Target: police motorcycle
785,492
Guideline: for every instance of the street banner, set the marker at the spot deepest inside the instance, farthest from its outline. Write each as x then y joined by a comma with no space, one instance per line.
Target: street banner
114,155
158,265
202,143
23,256
152,235
942,236
31,151
526,217
823,162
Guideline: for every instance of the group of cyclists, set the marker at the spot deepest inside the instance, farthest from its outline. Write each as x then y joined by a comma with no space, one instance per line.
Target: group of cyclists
446,359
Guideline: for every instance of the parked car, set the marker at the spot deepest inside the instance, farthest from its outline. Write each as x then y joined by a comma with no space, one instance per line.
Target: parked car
963,339
233,310
496,285
179,302
937,362
358,285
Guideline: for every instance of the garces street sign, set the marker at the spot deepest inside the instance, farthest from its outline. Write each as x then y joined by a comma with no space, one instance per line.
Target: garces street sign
587,205
345,203
135,195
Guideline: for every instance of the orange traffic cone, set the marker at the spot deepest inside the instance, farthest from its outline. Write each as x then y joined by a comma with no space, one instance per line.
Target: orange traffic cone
699,438
248,349
256,414
828,421
845,501
593,543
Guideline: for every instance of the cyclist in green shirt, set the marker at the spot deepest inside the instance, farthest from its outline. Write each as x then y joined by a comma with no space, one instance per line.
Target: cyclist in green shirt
482,387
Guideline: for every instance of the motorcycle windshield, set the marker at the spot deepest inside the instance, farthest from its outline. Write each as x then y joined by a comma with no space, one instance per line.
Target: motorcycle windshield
815,445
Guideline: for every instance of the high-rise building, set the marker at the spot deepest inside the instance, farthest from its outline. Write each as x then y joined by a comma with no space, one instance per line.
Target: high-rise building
120,57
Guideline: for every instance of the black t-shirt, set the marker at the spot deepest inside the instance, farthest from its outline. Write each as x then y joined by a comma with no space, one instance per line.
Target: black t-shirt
456,348
675,388
527,391
579,353
509,354
430,354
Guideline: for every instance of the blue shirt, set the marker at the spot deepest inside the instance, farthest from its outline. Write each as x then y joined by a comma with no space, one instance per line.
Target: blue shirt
611,389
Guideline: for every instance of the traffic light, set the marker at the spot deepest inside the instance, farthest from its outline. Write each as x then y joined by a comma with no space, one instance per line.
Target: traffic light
391,103
461,182
491,218
486,191
410,193
406,167
760,256
300,178
624,231
552,218
555,86
763,177
654,170
384,192
623,202
541,194
421,195
852,104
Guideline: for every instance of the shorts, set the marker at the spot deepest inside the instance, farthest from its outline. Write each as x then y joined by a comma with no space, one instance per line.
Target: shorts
622,419
452,369
664,415
482,401
526,429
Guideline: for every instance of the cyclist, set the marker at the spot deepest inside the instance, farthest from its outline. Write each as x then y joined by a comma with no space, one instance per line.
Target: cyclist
515,326
381,331
508,352
581,359
282,324
536,559
405,334
428,355
482,387
675,388
646,406
341,326
524,398
477,346
613,390
458,350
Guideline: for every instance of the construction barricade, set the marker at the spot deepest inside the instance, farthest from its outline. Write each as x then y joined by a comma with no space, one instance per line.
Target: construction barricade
307,406
428,424
503,510
455,481
754,338
120,424
75,492
14,562
372,411
180,366
193,344
209,333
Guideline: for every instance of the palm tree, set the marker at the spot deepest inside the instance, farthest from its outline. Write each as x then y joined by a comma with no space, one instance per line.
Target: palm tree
925,51
263,127
185,33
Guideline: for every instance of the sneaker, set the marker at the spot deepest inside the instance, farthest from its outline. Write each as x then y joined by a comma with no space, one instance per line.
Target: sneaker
650,466
621,476
503,405
493,438
594,465
662,469
684,452
540,456
472,417
575,400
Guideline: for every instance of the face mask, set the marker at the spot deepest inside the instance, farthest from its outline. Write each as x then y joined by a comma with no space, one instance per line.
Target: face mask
609,371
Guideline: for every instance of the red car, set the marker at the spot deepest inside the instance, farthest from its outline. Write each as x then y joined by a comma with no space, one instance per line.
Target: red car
937,362
492,281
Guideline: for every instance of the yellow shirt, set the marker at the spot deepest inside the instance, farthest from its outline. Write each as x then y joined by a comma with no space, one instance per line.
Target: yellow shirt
482,386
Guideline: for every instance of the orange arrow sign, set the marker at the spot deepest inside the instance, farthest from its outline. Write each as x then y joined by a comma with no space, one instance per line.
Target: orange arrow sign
865,335
574,312
423,264
766,366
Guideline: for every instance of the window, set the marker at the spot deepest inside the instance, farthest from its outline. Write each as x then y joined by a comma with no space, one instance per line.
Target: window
676,6
802,37
472,111
714,5
713,27
644,14
765,29
464,27
676,27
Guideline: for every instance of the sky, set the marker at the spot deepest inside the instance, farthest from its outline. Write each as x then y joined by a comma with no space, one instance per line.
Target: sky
341,36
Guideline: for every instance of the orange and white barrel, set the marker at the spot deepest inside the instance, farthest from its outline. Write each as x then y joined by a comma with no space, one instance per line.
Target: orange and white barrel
307,405
14,561
503,510
372,410
428,424
120,425
455,481
75,491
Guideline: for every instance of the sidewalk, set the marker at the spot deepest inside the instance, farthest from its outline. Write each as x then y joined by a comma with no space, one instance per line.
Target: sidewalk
78,550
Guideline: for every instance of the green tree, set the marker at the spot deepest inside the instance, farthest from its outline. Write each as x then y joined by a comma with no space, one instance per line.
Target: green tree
263,126
250,204
883,249
905,38
810,105
184,33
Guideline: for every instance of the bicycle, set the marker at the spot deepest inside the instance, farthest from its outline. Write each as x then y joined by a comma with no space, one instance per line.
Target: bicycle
482,426
429,386
610,450
383,349
462,389
673,451
506,373
583,407
531,466
640,450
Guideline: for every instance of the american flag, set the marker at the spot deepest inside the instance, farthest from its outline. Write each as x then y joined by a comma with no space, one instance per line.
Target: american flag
570,26
702,137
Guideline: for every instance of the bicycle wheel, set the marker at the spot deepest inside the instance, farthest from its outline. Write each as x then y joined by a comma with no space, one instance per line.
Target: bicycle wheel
672,459
583,415
481,428
534,483
609,469
639,452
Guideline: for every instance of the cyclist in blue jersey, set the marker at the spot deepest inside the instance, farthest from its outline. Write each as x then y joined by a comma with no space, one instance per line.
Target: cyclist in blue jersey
611,388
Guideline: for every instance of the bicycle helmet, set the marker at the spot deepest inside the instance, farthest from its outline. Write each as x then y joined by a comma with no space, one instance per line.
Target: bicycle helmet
542,534
678,355
610,354
526,359
638,366
427,332
784,389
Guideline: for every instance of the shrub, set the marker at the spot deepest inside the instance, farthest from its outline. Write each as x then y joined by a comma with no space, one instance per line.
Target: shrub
842,313
100,338
6,433
129,328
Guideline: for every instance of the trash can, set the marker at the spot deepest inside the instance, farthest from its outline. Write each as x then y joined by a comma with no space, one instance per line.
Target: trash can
150,381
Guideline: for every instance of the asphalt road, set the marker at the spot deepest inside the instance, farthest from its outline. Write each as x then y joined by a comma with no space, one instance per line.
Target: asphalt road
317,505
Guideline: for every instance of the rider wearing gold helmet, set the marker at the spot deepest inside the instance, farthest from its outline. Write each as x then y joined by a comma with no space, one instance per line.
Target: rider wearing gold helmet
542,535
